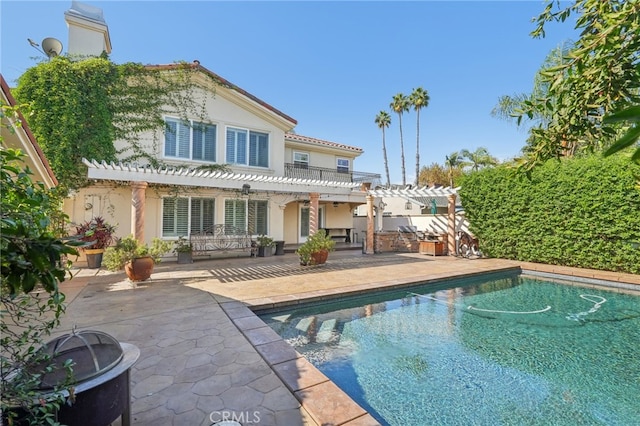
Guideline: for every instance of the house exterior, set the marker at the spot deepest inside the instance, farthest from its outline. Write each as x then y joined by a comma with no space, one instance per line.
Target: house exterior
277,183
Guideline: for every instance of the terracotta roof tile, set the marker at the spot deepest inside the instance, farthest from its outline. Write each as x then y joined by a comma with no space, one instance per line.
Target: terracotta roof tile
307,139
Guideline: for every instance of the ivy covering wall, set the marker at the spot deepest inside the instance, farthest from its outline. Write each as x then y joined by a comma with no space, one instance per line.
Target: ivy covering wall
581,212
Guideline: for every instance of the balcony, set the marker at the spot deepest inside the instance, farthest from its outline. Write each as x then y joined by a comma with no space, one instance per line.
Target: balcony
319,173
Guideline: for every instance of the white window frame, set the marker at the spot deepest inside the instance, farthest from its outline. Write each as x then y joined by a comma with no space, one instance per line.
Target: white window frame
188,215
301,163
248,150
341,168
191,124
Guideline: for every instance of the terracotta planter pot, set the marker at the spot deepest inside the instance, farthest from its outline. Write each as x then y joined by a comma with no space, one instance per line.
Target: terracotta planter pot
319,257
139,269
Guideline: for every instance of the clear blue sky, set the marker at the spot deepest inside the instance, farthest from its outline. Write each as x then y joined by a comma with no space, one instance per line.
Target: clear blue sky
333,65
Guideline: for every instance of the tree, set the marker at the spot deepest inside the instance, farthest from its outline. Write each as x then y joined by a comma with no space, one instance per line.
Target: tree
479,158
600,77
383,120
400,105
432,175
33,264
454,163
419,98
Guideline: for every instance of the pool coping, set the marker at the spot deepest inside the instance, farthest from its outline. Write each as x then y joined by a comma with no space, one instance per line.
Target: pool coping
322,399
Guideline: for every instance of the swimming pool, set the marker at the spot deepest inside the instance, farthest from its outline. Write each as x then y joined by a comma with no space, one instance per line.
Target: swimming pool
506,349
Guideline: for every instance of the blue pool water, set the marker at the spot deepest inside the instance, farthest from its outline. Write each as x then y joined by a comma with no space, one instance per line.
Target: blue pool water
509,350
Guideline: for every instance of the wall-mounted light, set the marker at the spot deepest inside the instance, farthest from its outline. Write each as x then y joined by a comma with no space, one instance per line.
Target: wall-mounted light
306,203
408,205
335,204
245,189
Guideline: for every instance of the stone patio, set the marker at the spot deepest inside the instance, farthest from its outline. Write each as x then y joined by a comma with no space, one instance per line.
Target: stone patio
206,357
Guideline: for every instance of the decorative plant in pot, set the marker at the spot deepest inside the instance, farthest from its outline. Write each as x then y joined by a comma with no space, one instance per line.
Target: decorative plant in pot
98,235
265,246
316,249
184,250
136,258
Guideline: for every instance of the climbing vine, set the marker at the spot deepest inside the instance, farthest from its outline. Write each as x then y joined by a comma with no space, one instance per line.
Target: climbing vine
99,110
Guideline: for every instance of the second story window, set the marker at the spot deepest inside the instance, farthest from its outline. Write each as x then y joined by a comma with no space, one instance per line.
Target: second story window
301,160
343,165
191,141
246,147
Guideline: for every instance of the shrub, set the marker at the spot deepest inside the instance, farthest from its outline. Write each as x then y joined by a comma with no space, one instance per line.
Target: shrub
581,212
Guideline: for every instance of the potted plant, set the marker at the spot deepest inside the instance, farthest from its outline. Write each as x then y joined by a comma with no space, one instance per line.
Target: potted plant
136,258
184,250
265,246
98,235
316,249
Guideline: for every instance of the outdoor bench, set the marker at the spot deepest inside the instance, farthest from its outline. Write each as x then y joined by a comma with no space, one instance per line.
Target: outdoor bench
221,238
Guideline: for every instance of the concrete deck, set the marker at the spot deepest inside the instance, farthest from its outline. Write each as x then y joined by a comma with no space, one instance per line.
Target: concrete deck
206,357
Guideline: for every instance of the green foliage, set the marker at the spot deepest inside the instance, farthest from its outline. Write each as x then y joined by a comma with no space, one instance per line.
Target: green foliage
315,243
580,212
599,76
183,246
82,107
129,248
265,241
33,263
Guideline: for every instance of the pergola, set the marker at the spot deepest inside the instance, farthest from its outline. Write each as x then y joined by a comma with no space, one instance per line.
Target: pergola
140,177
449,192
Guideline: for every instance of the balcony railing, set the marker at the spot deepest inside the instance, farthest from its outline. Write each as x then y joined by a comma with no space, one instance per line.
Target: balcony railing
319,173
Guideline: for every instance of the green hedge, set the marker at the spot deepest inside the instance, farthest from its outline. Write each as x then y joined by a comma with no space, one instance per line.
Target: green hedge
582,212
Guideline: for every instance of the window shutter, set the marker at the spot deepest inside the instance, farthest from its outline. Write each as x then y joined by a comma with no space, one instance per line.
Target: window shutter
231,146
241,145
184,137
259,149
175,217
210,144
170,137
202,214
235,213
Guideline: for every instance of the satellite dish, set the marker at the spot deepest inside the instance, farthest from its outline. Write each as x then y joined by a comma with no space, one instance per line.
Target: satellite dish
52,47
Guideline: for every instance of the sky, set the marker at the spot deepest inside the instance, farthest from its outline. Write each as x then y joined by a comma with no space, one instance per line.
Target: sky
333,66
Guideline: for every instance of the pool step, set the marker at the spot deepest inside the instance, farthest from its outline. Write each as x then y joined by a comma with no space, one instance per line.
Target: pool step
304,324
326,331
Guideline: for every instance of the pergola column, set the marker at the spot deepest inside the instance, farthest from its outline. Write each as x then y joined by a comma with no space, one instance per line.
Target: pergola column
314,210
138,201
451,225
370,226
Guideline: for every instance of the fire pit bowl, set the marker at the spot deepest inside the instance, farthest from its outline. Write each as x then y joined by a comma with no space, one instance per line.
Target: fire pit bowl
101,373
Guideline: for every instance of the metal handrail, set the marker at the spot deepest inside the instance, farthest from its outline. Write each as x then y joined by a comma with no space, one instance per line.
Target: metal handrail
299,171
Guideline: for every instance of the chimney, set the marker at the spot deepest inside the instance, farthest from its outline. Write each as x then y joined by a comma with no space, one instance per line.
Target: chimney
88,32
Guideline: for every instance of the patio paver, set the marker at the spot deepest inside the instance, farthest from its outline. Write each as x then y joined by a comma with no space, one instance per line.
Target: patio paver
205,355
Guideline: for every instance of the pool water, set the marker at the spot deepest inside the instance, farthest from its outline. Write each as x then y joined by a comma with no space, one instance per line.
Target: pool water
509,350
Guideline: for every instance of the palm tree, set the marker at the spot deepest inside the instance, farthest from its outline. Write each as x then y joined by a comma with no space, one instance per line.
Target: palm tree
453,161
419,98
383,120
479,158
400,104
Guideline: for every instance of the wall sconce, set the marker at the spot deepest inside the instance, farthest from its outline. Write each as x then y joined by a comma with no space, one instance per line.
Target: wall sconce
306,203
408,205
245,189
335,204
